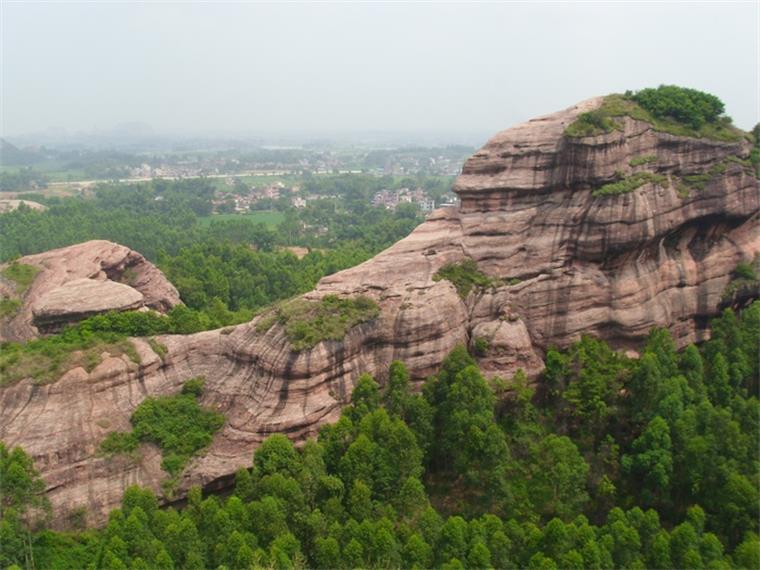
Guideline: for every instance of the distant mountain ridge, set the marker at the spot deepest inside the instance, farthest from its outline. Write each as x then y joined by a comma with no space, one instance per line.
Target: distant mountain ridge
11,155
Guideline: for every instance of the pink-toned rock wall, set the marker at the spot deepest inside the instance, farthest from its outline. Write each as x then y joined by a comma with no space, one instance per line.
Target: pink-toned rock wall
611,266
53,291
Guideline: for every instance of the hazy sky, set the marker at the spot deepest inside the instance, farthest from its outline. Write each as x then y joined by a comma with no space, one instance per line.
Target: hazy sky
328,68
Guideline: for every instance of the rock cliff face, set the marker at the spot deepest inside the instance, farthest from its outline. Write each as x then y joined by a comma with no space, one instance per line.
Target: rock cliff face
564,261
79,281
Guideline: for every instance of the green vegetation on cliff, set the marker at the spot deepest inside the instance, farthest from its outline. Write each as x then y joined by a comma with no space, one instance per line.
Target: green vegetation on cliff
668,108
644,159
744,278
45,359
176,424
308,322
21,274
630,183
687,106
464,275
683,184
611,462
9,307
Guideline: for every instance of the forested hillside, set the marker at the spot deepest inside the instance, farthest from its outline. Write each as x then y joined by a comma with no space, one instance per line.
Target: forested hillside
225,270
606,459
613,462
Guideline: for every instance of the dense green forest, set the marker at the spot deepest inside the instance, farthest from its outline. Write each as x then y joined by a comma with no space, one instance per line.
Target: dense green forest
224,270
611,462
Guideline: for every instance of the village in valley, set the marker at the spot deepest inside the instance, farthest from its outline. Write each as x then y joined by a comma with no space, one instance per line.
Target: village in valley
237,197
247,179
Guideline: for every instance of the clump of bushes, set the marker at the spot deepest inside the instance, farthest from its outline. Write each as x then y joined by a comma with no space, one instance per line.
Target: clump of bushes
668,108
744,276
629,184
480,346
118,442
180,320
464,275
688,106
308,323
176,424
744,270
194,386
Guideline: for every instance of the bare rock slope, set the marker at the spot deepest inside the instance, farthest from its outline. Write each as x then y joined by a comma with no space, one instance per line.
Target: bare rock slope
562,259
75,282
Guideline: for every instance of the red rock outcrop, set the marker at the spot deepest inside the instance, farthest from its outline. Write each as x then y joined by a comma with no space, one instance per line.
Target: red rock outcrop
564,262
81,280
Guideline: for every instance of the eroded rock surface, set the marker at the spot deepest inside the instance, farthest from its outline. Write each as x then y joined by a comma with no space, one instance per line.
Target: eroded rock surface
564,263
81,298
81,280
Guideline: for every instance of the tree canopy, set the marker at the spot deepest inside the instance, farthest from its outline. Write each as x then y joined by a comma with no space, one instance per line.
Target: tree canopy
617,463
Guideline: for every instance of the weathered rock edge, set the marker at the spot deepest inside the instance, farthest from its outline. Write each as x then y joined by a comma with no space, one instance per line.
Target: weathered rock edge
611,266
81,280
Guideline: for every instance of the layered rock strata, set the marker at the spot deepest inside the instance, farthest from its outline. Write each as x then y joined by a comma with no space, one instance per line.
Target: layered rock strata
563,262
81,298
79,281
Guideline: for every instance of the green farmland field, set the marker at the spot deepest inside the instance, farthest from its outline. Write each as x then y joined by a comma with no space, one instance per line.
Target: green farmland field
268,217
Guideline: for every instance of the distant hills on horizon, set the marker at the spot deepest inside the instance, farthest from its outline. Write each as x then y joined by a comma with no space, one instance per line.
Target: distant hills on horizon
139,137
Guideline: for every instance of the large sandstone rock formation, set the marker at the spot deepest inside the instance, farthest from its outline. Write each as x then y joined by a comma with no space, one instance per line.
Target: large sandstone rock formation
567,263
81,298
79,281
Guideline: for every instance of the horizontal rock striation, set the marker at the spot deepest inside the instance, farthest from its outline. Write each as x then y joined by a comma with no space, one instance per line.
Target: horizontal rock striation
563,261
81,280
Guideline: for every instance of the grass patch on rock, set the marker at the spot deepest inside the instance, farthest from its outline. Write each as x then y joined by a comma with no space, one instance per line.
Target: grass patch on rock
464,275
266,322
119,442
607,117
46,359
596,122
9,307
699,181
308,322
158,347
177,424
641,160
630,183
21,274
